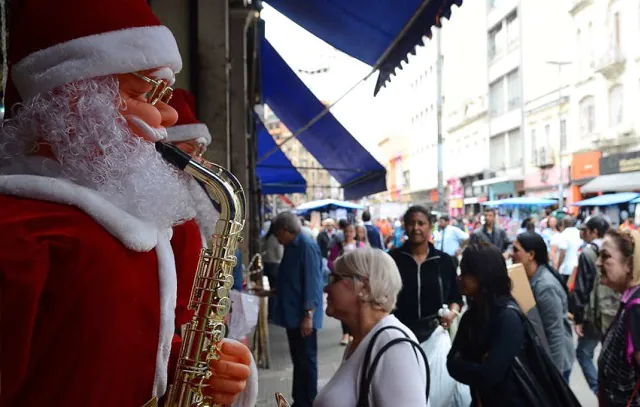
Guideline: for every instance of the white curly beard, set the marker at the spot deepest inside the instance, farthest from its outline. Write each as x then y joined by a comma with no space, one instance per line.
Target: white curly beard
93,146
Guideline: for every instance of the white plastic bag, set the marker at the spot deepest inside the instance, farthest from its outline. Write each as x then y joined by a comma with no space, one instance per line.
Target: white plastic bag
445,391
244,314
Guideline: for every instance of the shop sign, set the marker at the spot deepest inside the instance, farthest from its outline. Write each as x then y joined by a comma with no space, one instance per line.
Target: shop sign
619,163
585,165
456,203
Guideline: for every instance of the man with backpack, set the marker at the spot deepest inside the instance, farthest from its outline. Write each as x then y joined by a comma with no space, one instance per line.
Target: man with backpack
593,305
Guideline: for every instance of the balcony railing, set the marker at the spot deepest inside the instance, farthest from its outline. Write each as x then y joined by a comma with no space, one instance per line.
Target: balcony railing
612,63
578,5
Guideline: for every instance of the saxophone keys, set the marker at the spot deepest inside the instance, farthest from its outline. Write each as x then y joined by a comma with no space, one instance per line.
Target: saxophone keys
223,306
218,330
227,281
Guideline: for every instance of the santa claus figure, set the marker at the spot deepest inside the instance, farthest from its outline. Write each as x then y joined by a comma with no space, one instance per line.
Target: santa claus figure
98,240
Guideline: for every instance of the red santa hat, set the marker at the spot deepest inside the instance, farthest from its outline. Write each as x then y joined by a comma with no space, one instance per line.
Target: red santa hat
60,41
188,127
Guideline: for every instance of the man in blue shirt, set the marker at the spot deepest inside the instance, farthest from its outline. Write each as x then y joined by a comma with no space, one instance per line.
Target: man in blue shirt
450,239
373,233
299,297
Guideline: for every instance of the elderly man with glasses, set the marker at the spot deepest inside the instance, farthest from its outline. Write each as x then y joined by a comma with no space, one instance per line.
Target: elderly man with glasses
98,240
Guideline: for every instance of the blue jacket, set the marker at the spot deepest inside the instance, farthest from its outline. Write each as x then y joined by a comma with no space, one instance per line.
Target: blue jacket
300,283
373,234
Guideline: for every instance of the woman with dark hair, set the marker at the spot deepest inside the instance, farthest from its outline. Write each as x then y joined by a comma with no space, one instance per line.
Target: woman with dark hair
496,351
428,278
272,253
491,333
551,297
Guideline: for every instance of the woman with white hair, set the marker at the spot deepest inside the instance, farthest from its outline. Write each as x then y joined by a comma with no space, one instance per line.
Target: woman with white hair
362,292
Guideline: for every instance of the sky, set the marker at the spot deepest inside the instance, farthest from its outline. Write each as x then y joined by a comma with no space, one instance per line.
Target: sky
367,118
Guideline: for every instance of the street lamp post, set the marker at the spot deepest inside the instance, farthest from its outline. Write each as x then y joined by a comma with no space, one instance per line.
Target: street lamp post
560,64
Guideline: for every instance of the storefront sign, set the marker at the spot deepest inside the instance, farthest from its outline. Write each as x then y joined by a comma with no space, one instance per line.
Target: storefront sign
456,203
585,165
546,178
619,163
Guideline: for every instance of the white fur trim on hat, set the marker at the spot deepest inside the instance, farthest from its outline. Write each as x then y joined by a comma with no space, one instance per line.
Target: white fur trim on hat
198,132
114,52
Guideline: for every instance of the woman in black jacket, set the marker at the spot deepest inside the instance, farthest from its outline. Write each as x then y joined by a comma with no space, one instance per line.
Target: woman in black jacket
428,278
491,333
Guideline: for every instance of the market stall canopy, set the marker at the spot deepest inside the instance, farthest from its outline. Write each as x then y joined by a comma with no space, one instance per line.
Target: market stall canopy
327,140
326,205
276,173
622,182
521,201
379,33
608,199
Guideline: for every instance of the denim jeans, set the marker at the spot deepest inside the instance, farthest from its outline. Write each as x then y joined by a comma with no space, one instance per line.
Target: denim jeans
584,354
304,355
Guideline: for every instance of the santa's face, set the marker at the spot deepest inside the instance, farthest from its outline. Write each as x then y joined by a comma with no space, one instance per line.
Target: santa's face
144,119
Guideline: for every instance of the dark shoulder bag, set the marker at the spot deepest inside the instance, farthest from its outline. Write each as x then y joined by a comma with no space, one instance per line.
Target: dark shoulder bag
368,371
539,379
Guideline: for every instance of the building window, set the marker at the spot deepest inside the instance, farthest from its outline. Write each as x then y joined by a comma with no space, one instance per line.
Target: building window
496,98
514,89
615,32
498,152
616,105
563,135
515,149
533,140
587,116
589,46
547,133
513,31
496,43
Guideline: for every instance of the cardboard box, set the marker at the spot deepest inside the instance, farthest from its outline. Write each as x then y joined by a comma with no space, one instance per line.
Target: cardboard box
520,287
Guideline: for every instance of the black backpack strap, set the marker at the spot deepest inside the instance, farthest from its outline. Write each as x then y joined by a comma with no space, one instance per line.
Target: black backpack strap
368,371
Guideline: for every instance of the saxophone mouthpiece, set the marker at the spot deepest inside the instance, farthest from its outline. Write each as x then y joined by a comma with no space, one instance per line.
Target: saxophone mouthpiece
173,155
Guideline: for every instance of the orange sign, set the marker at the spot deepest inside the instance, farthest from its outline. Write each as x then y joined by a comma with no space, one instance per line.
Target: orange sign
585,165
434,195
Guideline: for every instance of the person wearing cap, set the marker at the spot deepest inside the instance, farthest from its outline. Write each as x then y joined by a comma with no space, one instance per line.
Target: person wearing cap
99,244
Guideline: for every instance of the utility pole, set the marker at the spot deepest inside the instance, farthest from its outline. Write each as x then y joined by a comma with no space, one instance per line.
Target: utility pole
560,64
439,61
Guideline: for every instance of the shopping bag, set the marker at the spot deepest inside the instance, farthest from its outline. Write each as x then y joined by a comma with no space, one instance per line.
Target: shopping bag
445,391
244,313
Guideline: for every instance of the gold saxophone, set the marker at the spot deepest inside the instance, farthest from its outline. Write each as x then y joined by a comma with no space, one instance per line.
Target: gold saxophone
214,278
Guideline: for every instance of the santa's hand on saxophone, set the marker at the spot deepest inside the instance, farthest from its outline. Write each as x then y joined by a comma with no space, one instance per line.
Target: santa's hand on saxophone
99,236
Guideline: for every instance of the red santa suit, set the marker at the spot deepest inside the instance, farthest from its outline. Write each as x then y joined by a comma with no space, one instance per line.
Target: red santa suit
88,292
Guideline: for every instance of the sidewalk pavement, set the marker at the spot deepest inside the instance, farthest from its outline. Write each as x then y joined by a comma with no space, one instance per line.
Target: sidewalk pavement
279,377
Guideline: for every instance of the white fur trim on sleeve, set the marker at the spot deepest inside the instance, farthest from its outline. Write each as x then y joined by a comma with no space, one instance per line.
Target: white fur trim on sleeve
188,132
115,52
249,396
134,233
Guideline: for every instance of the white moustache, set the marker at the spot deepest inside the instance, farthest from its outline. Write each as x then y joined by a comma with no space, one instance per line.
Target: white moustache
152,134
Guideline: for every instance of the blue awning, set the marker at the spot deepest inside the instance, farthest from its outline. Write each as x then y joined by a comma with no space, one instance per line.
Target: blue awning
608,199
327,140
521,201
325,205
380,33
276,173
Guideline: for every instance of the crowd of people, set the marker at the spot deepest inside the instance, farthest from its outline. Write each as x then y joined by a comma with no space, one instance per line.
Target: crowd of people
584,280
